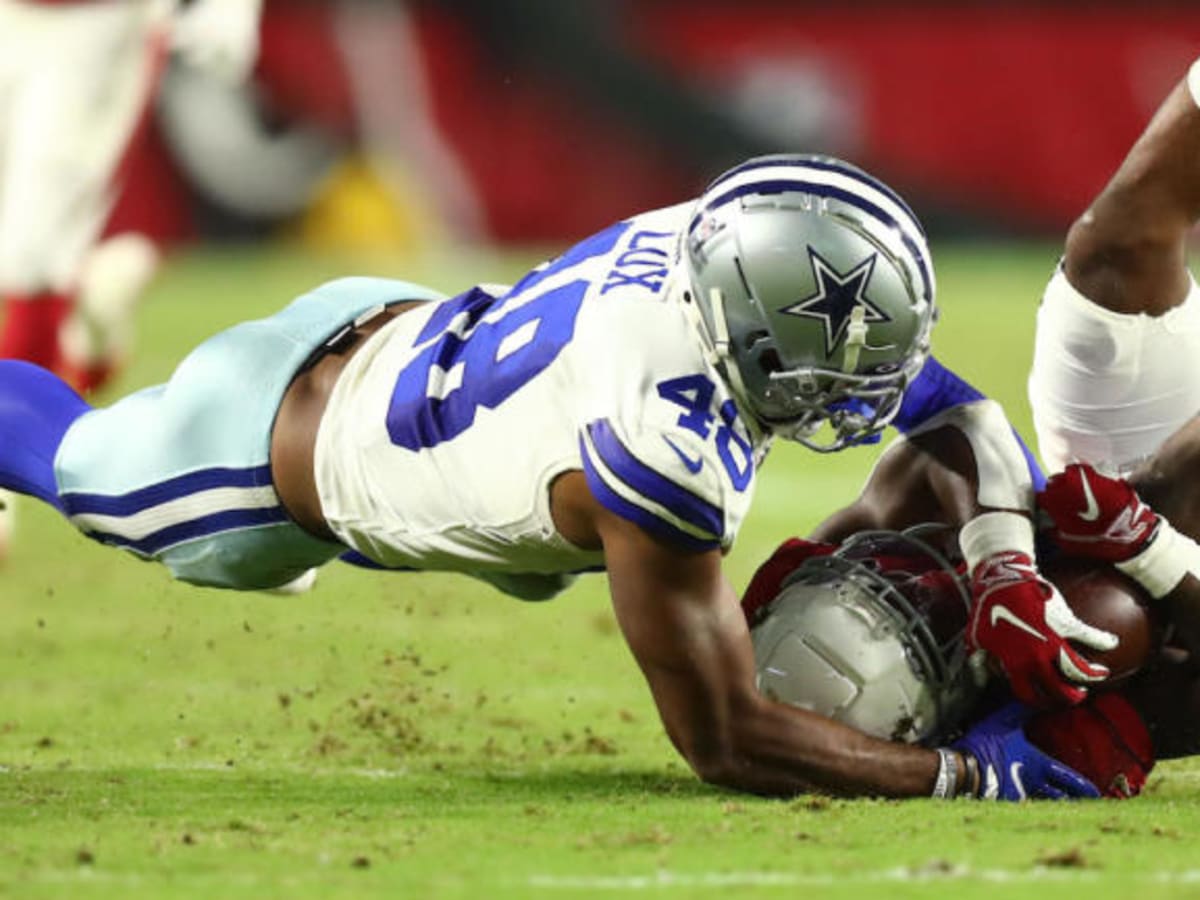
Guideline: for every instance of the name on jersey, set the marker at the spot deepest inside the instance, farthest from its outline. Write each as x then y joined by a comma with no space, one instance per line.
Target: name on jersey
644,263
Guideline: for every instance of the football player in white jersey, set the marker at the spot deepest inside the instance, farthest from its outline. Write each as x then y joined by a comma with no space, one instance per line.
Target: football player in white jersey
1116,366
610,410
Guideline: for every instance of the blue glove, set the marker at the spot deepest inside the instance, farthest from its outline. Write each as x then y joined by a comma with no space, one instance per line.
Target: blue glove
1011,768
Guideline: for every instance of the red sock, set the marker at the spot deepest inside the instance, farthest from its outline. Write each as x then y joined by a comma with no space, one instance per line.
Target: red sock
31,324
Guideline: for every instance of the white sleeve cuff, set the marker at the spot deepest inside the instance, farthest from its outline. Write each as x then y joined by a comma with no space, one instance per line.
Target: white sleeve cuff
1164,563
995,532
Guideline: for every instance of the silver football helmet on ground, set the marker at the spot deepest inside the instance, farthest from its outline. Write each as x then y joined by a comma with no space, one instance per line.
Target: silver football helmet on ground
872,636
815,286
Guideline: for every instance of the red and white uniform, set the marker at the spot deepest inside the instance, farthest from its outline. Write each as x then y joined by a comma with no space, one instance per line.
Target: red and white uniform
75,78
75,81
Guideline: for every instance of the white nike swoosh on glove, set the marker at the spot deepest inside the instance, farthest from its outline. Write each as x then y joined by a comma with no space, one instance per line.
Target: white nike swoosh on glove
991,784
1004,614
1092,512
1014,772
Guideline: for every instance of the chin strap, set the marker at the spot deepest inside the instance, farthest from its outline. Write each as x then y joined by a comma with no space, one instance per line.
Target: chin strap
856,339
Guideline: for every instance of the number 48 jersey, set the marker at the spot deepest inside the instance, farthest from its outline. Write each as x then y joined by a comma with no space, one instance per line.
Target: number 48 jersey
446,430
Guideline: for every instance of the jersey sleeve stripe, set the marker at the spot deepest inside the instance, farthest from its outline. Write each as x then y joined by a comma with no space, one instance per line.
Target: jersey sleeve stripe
620,464
639,515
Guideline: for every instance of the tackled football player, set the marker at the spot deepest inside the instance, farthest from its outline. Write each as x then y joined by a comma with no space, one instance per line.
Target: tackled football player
869,621
609,410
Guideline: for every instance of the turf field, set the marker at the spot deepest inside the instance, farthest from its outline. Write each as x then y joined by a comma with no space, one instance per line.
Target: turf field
423,736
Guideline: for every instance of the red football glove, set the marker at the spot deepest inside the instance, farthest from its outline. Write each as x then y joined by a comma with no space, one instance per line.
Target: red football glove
1097,516
1025,625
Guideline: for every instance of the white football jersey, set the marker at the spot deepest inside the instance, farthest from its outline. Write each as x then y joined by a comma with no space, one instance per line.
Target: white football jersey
445,431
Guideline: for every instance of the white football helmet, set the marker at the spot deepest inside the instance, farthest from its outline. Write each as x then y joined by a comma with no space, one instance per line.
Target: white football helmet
872,636
815,287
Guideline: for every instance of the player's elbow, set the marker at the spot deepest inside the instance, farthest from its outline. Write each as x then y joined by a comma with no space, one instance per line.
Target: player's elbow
726,756
717,767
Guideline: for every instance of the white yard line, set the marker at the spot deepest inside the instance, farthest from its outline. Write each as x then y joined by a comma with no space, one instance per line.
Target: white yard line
715,880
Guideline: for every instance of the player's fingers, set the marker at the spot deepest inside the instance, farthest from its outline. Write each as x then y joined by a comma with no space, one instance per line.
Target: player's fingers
1069,781
1054,691
1089,635
1079,669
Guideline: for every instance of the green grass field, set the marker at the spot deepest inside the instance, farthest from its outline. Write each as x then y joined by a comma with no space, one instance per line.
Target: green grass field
423,736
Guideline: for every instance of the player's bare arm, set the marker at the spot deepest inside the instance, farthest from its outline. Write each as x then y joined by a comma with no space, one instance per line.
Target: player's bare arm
683,623
1127,251
929,478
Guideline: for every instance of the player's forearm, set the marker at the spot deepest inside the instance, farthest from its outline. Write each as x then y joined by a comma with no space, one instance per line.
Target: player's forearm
998,465
778,750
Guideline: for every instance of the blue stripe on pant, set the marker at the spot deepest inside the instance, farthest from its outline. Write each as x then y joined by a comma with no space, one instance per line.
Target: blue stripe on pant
180,472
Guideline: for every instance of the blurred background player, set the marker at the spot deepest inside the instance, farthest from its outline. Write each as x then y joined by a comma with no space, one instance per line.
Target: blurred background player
76,79
1116,367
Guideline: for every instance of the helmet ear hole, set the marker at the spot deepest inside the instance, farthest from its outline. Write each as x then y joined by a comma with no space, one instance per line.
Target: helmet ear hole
769,361
754,337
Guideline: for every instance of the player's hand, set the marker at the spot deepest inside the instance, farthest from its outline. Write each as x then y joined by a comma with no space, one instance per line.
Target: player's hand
1025,625
1011,768
219,36
1097,516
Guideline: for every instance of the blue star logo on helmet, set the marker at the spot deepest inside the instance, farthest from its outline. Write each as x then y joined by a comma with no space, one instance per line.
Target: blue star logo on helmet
836,296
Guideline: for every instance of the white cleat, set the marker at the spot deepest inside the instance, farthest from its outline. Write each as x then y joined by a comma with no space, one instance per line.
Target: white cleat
299,585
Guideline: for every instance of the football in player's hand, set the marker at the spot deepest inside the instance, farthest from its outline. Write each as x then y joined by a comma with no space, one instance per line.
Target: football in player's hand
1102,596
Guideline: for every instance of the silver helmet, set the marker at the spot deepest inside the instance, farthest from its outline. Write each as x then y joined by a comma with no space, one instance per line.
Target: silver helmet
872,636
815,286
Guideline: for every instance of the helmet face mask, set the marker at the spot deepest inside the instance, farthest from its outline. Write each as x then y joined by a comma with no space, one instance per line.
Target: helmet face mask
815,285
872,636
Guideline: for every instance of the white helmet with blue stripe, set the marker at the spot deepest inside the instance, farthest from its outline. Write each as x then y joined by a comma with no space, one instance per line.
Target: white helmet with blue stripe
815,286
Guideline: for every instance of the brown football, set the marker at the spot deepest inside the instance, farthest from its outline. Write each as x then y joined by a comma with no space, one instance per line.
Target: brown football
1103,596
